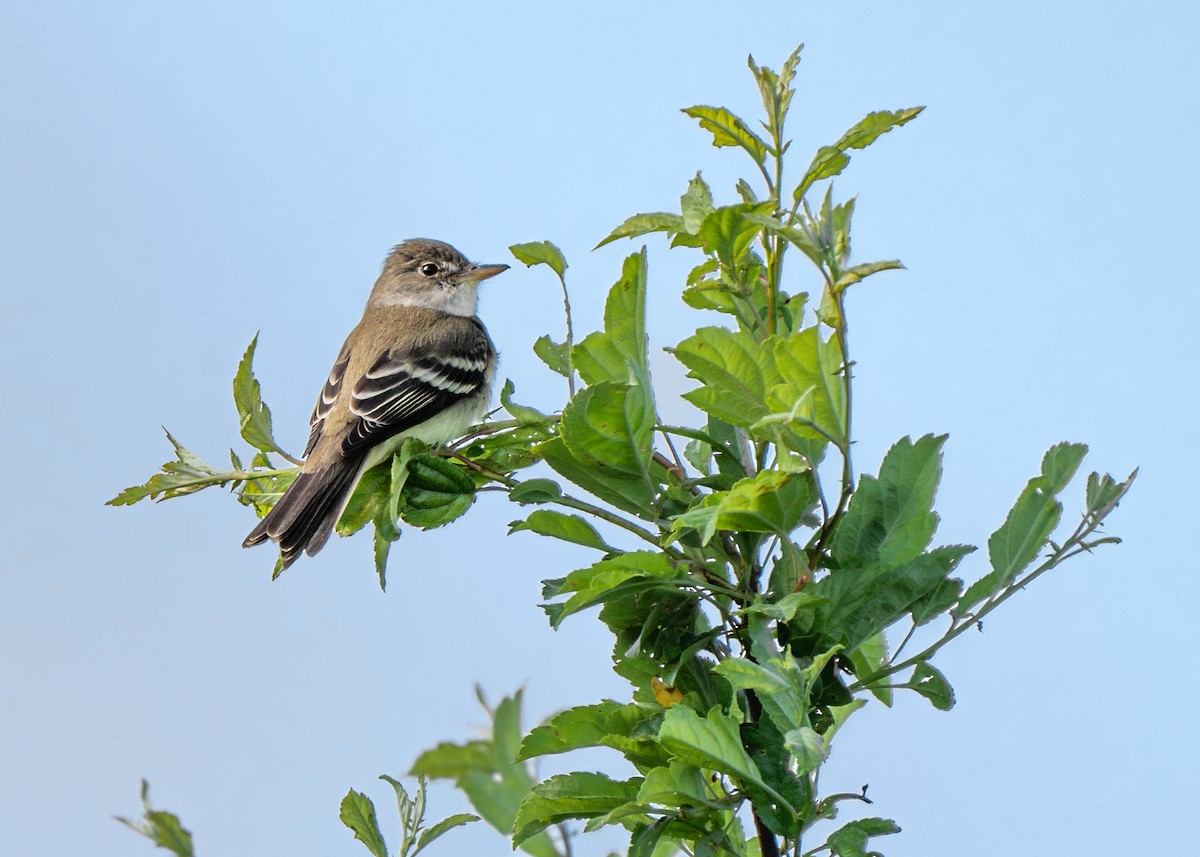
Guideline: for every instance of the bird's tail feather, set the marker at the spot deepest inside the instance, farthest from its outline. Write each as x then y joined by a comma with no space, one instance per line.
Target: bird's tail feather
304,517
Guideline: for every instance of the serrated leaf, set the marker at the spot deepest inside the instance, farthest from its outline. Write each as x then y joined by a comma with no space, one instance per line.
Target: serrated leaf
610,427
567,796
540,253
735,371
891,517
851,839
780,687
937,601
445,825
1036,513
776,89
857,273
771,501
712,742
644,224
568,528
728,130
187,474
811,400
615,577
831,160
626,728
1104,493
868,657
677,785
726,232
436,492
358,813
370,500
695,204
630,494
606,355
865,599
253,414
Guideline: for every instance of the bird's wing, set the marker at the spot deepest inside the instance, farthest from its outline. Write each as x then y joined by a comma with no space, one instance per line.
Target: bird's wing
329,394
404,388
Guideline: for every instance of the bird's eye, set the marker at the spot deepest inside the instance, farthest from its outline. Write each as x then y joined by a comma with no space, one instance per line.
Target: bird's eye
429,269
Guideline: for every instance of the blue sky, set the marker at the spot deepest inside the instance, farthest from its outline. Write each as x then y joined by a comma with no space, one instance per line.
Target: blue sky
174,178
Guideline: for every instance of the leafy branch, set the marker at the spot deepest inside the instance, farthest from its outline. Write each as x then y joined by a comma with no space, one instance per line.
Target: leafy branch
752,617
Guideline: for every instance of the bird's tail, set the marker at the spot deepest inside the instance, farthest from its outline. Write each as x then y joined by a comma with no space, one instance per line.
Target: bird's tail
304,517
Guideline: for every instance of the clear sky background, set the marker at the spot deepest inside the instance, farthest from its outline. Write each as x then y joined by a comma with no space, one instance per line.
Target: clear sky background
175,177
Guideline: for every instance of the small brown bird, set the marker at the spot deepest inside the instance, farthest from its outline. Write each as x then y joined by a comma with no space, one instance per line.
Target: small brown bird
419,364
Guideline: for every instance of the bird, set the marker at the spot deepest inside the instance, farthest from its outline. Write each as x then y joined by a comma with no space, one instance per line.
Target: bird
419,364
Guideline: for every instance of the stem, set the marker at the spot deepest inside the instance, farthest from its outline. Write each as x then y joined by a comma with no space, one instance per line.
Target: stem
766,839
570,347
616,520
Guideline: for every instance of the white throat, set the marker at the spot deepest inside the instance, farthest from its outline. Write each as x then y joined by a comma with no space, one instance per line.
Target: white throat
461,300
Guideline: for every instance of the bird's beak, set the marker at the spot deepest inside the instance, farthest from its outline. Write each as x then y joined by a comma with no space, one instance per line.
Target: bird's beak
482,272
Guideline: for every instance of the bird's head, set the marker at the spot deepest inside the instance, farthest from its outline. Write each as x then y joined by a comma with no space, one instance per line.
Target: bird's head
431,274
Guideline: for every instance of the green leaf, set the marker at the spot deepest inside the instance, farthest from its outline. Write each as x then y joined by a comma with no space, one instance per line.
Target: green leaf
253,414
540,253
630,494
891,517
937,601
863,600
769,502
162,828
606,355
1029,524
735,371
811,400
776,89
610,427
779,684
776,804
445,825
867,658
370,500
696,203
535,491
858,273
358,813
867,130
831,160
626,728
729,130
851,839
1104,493
726,232
522,414
486,772
436,491
553,354
615,577
187,474
931,684
569,528
567,796
712,742
644,224
677,785
381,547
